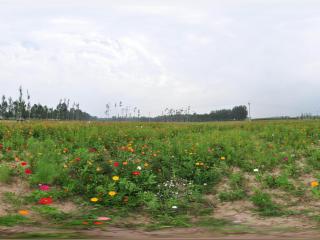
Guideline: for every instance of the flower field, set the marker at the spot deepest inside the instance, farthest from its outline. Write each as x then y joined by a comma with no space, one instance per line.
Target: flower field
168,174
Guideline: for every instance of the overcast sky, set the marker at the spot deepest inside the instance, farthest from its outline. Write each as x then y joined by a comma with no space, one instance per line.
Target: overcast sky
165,53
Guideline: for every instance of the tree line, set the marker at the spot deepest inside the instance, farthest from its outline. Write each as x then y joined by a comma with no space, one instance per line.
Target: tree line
21,109
183,115
236,113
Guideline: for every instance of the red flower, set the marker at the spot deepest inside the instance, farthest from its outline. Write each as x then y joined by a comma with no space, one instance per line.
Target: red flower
92,150
97,223
28,171
23,163
77,159
116,164
285,159
136,173
45,201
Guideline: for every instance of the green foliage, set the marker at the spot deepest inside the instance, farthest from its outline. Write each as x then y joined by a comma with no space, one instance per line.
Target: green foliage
5,173
160,165
265,205
12,220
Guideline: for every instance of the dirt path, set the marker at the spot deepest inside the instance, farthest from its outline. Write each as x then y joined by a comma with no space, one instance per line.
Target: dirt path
179,233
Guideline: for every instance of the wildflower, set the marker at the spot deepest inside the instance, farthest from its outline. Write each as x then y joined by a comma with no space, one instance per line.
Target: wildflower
99,169
45,201
65,165
256,170
94,199
285,159
174,207
115,178
23,164
77,159
146,164
154,154
124,163
97,223
222,158
197,164
116,164
23,212
85,223
103,219
28,171
314,184
205,184
65,150
112,193
136,173
139,168
44,187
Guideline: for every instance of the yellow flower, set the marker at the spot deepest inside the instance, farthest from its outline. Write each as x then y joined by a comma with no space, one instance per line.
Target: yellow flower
115,178
94,199
23,212
197,164
146,164
112,193
223,158
65,165
99,169
314,184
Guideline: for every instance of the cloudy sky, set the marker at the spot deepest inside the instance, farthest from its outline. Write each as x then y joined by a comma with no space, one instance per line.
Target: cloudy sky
154,54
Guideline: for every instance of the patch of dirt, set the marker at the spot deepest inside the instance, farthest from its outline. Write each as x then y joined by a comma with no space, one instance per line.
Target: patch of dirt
66,206
18,187
241,212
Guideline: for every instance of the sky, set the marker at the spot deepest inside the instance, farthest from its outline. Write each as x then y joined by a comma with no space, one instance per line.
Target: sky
157,54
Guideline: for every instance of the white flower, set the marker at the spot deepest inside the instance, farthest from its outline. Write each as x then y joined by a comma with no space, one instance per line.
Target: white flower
256,170
139,168
204,184
174,207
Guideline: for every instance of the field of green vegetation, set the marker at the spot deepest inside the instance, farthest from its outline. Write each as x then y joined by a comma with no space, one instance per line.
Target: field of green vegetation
155,175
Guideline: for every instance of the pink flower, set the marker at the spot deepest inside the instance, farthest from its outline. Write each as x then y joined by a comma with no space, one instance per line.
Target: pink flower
103,219
28,171
44,187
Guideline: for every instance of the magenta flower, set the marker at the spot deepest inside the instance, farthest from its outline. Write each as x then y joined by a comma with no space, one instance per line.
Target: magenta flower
44,187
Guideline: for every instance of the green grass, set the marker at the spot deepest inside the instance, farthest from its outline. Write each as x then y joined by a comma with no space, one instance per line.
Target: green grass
5,173
12,220
264,204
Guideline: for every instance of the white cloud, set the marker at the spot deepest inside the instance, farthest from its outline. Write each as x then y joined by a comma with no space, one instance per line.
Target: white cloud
157,54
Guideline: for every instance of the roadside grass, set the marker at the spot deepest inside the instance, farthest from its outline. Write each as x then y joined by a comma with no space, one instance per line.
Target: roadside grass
12,220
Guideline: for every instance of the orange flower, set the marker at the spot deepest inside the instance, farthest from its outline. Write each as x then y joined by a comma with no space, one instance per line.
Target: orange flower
23,212
314,184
